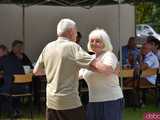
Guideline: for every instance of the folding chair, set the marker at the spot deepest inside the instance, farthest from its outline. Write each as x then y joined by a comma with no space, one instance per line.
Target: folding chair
127,74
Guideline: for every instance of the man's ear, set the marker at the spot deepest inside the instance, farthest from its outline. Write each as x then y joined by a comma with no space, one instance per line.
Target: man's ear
69,33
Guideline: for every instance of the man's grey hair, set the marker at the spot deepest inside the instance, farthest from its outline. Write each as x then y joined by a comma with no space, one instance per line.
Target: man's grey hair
101,35
64,25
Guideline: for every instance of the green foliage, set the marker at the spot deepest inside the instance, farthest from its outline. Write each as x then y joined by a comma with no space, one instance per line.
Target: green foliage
155,18
143,12
148,13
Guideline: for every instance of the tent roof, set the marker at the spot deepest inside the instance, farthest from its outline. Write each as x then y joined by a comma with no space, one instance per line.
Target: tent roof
73,2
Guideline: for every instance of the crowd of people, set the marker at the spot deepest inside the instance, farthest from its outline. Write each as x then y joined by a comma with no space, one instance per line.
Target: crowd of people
64,62
140,59
143,58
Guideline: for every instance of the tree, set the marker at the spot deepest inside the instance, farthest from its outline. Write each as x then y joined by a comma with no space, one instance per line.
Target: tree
155,18
148,13
143,12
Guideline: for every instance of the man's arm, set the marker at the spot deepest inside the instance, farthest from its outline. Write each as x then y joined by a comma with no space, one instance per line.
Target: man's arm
39,66
143,66
98,66
143,63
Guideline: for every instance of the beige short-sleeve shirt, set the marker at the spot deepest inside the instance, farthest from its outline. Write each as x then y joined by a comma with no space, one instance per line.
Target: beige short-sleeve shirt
62,60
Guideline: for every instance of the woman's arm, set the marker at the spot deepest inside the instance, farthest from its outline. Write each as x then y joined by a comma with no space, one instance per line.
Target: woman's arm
107,66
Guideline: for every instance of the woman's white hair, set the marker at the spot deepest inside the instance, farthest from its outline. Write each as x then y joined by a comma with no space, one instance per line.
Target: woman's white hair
101,35
64,25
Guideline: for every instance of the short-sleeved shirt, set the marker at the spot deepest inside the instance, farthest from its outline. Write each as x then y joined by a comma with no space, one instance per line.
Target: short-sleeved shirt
102,87
134,52
152,61
62,60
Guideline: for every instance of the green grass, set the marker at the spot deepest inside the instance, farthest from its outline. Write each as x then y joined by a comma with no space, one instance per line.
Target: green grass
137,114
129,113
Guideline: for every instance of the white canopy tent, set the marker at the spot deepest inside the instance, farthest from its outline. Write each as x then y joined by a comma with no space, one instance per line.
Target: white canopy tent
37,24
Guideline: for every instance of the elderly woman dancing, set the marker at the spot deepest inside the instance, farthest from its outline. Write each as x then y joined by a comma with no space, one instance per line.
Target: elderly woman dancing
105,94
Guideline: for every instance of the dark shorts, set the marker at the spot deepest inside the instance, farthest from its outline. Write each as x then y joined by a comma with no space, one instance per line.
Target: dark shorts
109,110
71,114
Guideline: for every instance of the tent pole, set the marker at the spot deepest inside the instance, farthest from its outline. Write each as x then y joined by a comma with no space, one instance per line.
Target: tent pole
119,37
23,24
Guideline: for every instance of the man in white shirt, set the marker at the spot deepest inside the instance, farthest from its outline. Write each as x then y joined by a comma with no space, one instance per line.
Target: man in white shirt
149,60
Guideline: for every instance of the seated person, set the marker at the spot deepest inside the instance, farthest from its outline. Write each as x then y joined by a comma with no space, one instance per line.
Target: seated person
154,42
149,60
13,64
130,53
156,45
18,52
3,51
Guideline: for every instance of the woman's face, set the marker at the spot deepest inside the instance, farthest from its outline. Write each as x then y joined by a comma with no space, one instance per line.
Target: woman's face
96,45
